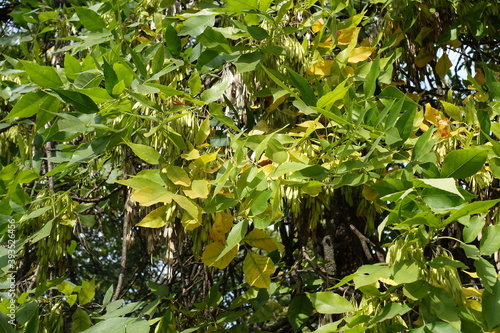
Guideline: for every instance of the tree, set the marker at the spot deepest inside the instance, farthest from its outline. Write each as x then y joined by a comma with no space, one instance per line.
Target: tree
175,166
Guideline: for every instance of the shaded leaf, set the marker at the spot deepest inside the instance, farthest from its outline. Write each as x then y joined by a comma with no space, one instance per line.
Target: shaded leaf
463,163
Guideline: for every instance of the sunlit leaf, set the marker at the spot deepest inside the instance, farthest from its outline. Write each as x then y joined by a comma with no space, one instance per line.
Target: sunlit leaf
155,219
211,254
360,54
44,76
148,196
199,189
222,225
258,270
327,302
178,175
258,238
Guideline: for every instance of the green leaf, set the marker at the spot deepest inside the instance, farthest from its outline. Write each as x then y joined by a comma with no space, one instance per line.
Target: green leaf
110,77
87,292
26,312
472,228
80,321
490,241
260,203
146,153
72,66
491,306
235,236
174,44
82,103
442,261
491,82
326,101
195,83
299,311
44,76
258,270
115,325
34,103
89,19
195,25
487,272
389,311
214,93
257,32
422,149
445,184
405,271
370,82
219,203
42,233
404,125
477,207
88,79
214,40
329,303
249,62
306,92
463,163
240,5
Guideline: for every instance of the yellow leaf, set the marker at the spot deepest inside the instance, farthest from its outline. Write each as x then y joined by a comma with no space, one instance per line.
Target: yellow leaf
155,219
178,176
258,270
199,189
430,113
423,58
222,225
211,253
328,43
317,25
443,65
471,274
313,124
323,68
369,193
473,304
148,196
479,77
348,71
259,239
345,36
443,127
472,292
388,281
360,53
192,155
